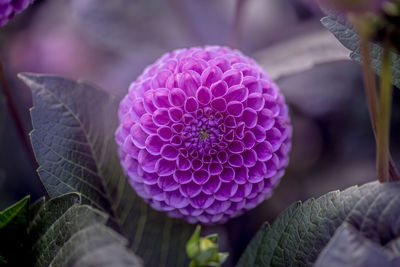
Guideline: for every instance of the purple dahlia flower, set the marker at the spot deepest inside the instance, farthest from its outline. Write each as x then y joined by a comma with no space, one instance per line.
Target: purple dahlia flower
204,134
8,8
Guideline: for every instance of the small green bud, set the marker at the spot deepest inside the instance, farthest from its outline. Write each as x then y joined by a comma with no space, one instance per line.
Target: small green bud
203,251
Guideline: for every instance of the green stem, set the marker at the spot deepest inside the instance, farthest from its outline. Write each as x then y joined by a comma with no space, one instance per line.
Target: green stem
383,129
370,84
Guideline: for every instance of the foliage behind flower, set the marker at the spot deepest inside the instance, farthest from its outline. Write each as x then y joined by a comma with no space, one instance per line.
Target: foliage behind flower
8,9
358,6
204,134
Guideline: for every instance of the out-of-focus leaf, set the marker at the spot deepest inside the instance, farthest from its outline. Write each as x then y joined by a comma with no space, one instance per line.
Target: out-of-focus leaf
13,230
73,140
66,233
300,54
348,248
298,236
394,247
349,38
2,260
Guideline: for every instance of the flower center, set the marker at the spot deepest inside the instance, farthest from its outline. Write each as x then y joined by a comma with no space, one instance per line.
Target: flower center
202,135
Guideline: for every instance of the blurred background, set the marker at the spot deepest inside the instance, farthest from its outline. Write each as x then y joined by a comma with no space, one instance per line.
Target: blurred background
110,42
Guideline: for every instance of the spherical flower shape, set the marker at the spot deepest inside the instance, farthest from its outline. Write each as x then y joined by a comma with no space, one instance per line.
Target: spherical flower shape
8,8
204,134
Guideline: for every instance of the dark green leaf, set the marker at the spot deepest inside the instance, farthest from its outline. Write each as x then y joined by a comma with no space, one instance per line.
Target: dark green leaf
13,230
66,233
73,140
346,34
348,248
16,214
2,260
297,237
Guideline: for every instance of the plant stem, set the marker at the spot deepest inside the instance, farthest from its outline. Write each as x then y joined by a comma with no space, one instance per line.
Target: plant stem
236,25
383,129
370,87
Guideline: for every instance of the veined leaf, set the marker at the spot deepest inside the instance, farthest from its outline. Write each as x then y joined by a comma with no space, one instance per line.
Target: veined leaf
62,233
300,233
73,140
348,248
66,233
349,38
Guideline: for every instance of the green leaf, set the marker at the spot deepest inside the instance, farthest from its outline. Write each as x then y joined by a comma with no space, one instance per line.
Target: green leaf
17,213
347,35
13,230
348,248
299,234
2,260
66,233
73,140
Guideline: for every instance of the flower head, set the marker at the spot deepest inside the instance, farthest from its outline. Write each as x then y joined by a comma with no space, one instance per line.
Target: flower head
8,8
204,134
